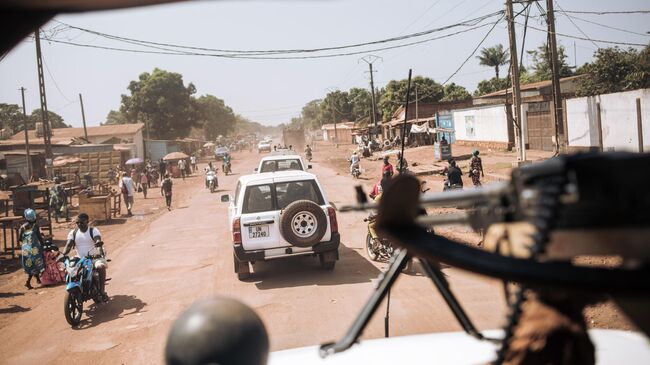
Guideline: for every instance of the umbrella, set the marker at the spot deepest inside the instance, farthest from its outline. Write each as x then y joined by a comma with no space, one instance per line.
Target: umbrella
209,144
134,161
175,156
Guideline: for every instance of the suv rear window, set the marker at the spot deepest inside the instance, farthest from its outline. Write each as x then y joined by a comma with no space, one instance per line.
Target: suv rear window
262,198
281,165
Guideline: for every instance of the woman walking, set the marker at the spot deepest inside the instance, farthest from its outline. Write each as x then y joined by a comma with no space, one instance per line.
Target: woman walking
144,183
30,240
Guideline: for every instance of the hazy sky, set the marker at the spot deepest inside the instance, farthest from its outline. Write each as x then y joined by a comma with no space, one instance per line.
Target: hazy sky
273,91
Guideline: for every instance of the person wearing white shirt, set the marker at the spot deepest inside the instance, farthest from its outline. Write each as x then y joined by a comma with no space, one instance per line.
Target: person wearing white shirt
127,187
84,239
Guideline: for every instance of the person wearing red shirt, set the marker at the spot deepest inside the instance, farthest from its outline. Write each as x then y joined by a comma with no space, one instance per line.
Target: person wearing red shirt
387,168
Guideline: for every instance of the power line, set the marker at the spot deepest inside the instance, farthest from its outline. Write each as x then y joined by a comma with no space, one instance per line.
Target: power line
589,39
55,83
239,56
576,25
470,22
605,26
420,17
474,51
608,12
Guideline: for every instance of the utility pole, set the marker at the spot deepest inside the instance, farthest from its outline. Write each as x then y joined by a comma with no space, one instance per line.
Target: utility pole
83,117
29,157
370,60
47,133
417,116
336,136
557,93
516,92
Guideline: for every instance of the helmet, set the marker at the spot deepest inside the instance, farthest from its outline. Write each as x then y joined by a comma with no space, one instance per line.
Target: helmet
30,215
475,152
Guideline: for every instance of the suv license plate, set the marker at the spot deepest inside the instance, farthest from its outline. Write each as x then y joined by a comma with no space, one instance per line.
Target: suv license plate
261,231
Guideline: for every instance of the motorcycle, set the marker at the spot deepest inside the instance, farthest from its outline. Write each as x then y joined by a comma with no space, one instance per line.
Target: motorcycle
355,171
211,181
226,168
82,283
379,249
447,186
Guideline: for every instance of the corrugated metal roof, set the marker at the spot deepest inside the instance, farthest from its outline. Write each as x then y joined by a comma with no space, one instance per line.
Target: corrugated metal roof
97,131
527,87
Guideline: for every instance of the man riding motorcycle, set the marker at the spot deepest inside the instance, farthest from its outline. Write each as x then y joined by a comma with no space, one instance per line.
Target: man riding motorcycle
226,164
454,179
354,162
84,238
211,178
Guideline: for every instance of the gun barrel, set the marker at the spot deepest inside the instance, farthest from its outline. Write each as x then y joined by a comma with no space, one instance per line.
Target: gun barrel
447,198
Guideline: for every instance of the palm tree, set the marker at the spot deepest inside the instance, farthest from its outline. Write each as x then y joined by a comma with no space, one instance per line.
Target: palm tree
494,57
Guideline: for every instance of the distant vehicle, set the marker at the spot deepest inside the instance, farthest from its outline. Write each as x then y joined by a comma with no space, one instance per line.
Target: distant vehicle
264,146
294,137
281,214
220,152
282,162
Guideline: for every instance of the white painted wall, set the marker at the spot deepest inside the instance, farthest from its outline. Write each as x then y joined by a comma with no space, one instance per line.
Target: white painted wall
490,124
618,118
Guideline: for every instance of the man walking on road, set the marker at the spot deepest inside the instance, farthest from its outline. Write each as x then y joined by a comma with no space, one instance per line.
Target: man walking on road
182,167
193,162
166,191
128,191
163,169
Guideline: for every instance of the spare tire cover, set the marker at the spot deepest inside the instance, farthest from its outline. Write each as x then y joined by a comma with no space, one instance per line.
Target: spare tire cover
303,223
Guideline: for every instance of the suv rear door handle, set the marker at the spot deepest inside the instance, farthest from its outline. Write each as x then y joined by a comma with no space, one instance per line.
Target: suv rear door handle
257,223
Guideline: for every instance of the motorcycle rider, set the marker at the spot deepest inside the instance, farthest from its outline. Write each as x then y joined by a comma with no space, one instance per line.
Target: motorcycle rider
308,152
226,163
453,174
354,161
380,187
84,238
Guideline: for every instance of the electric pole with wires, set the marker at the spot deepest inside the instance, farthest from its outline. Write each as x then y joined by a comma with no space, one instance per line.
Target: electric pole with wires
555,78
47,132
516,90
370,60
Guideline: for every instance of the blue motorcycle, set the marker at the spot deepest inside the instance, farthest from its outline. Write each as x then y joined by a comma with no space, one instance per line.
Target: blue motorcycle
82,284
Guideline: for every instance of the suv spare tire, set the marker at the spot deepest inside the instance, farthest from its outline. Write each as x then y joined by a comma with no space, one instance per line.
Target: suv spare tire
303,223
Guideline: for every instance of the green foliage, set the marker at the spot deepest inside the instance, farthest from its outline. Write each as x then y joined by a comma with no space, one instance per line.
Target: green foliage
162,101
615,70
56,121
490,86
361,101
11,117
394,94
455,92
495,57
336,107
542,66
115,117
214,116
310,115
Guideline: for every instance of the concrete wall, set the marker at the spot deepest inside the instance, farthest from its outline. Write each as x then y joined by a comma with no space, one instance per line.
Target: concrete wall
618,116
481,124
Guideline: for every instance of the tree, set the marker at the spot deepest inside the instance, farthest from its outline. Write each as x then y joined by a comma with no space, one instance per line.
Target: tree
336,107
495,57
214,116
361,102
394,95
310,115
542,66
615,69
161,99
491,85
115,117
11,117
455,92
56,121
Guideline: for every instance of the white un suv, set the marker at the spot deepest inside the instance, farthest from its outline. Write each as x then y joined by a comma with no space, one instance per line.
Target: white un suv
281,214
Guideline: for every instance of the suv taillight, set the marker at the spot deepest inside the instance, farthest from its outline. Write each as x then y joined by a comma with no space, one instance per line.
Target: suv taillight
334,225
236,231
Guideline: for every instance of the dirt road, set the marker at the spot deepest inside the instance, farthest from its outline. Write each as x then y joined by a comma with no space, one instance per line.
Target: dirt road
173,258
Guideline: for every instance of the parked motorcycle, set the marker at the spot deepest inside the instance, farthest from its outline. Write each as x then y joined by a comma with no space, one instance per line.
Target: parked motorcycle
211,181
447,186
82,284
378,249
